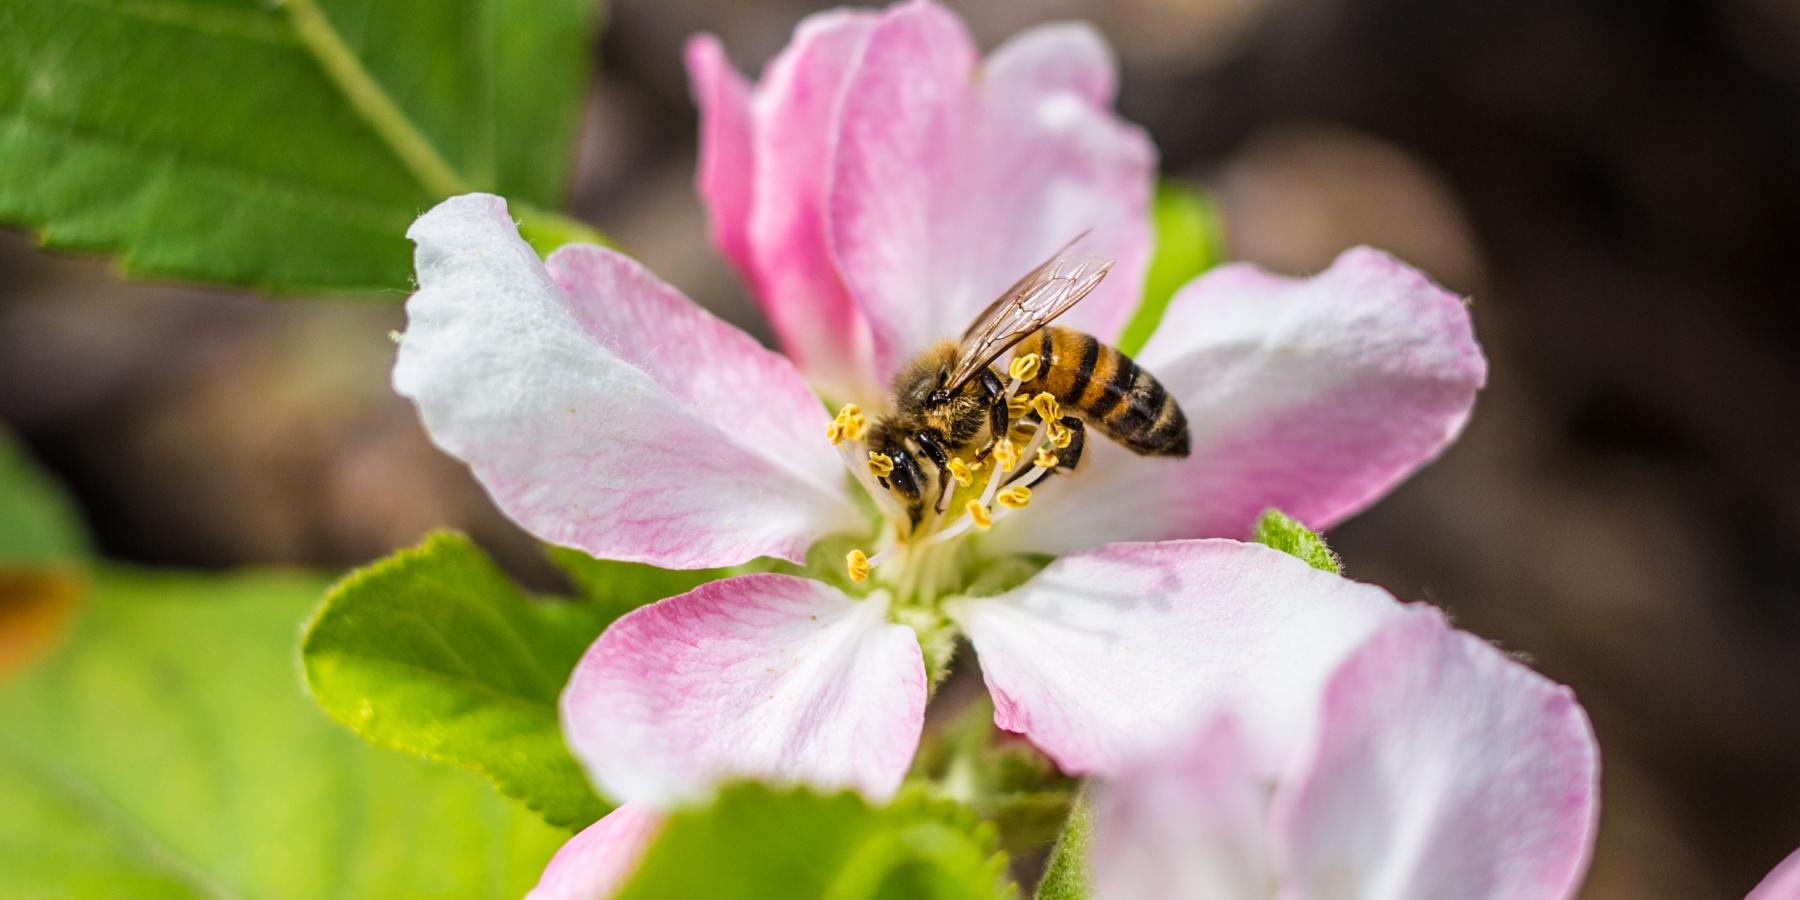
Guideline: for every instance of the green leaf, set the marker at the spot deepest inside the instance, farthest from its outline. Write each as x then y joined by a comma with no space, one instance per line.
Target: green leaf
166,750
1000,776
433,651
1275,529
38,523
756,842
1190,238
284,144
616,588
1066,874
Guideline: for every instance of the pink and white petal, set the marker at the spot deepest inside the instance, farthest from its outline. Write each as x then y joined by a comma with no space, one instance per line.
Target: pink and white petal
596,862
1191,821
1315,396
1057,57
794,134
604,411
1440,768
948,186
1783,883
762,676
726,176
1108,654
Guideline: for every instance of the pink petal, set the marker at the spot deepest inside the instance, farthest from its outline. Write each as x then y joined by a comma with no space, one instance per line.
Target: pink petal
1440,768
762,676
1781,884
798,283
1059,57
1315,396
604,411
725,179
597,861
1109,653
1190,822
950,185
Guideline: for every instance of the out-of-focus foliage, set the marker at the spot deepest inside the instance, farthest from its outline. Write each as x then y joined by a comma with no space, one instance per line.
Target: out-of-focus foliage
38,524
1275,529
433,651
755,842
166,749
1190,238
1000,776
287,145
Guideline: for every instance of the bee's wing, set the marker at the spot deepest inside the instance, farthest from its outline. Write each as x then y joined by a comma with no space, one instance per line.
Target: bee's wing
1047,292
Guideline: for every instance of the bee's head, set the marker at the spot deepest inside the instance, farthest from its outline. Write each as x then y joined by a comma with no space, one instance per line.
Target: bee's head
940,393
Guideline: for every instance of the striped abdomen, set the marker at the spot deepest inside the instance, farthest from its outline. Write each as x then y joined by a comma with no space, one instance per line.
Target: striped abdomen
1108,391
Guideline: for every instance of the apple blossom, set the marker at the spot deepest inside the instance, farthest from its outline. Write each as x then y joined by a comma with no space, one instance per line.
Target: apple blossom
1782,883
1435,767
878,186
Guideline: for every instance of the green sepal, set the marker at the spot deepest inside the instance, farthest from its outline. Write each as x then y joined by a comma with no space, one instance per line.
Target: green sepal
1275,529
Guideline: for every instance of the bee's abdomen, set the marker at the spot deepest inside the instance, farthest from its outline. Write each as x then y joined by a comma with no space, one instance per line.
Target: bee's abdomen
1109,391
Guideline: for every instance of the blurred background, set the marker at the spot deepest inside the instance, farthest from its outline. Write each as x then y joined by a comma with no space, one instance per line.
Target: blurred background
1616,184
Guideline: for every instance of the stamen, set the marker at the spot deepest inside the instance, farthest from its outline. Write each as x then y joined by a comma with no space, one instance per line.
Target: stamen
1046,458
856,427
1024,367
858,564
1059,434
1047,407
1016,497
849,425
960,471
978,514
1006,454
1017,405
880,464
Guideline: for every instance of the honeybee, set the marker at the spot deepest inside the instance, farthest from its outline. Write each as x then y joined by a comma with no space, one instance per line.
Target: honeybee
950,406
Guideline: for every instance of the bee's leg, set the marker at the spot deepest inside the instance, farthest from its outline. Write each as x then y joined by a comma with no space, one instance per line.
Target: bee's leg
1066,458
941,459
908,480
998,418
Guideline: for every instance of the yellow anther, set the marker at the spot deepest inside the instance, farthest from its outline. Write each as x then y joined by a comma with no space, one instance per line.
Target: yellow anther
1047,408
1059,434
880,464
1006,454
1046,458
855,427
979,515
1016,497
960,471
858,563
1025,366
1017,405
848,425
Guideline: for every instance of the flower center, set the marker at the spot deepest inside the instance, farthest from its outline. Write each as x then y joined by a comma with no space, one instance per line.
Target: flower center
964,496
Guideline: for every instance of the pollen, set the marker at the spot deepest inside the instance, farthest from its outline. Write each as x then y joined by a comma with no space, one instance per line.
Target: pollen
849,425
880,464
978,514
1059,434
960,471
1025,366
858,564
1006,454
1045,459
1046,406
1016,497
1017,405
